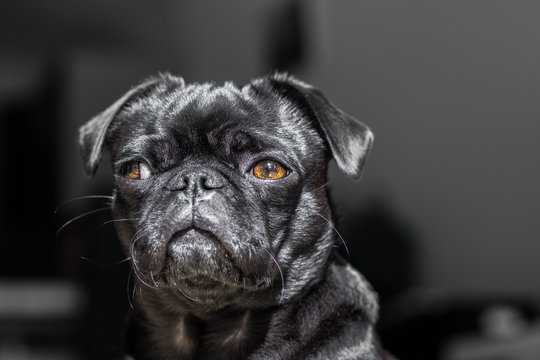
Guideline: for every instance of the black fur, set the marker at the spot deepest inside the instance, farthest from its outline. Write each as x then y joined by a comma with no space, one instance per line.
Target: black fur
227,265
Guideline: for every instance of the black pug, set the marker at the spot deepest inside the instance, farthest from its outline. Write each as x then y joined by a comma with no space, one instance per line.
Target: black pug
221,200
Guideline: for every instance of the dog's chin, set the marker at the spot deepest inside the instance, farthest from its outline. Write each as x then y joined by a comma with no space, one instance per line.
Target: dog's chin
198,265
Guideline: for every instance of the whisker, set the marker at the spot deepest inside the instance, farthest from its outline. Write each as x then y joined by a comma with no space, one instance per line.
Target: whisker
320,187
103,264
80,216
134,292
280,273
154,281
127,289
141,278
82,198
137,271
338,234
118,220
136,237
188,297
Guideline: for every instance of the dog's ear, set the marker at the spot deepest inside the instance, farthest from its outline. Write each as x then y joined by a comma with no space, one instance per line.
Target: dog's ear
348,139
92,134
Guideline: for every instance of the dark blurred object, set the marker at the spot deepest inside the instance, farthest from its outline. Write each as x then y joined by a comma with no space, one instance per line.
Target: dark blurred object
90,252
505,334
381,246
427,325
28,114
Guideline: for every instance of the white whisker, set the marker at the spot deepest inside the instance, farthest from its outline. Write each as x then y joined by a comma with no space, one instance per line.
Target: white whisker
103,264
154,281
188,297
119,220
127,289
280,273
137,271
82,198
320,187
338,234
80,216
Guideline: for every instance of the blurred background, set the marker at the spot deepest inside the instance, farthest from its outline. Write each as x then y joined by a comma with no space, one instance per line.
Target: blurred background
445,222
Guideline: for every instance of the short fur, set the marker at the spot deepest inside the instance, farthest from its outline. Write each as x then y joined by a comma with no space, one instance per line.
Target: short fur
227,265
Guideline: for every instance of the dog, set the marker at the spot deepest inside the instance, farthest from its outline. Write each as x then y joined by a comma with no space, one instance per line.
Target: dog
221,203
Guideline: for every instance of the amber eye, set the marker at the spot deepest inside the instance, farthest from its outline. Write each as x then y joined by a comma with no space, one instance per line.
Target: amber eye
135,170
269,170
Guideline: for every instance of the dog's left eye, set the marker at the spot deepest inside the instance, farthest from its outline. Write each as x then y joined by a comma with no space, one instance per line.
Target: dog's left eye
269,170
135,170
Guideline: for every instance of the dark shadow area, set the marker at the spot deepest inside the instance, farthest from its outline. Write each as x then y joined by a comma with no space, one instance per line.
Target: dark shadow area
28,164
381,246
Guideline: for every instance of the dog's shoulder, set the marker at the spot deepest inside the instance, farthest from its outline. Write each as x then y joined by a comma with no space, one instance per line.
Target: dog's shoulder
334,320
349,286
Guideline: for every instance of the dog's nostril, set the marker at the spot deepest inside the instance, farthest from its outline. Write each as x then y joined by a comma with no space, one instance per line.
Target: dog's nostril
178,186
210,183
206,185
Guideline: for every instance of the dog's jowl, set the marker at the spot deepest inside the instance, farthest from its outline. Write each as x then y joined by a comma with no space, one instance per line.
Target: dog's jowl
225,217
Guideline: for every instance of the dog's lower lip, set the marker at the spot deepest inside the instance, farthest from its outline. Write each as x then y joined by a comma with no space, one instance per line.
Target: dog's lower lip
194,230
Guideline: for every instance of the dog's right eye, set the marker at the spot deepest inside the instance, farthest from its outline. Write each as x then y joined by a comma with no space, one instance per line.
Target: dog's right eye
269,170
135,170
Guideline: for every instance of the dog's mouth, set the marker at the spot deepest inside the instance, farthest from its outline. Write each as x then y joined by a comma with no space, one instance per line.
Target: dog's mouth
192,232
194,242
200,263
199,258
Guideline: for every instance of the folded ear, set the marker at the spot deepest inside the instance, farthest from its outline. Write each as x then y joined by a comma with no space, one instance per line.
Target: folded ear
92,134
348,139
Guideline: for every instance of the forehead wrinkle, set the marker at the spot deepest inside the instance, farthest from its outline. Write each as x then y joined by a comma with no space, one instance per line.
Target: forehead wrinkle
224,133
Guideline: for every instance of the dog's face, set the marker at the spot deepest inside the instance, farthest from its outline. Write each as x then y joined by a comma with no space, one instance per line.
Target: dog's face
220,191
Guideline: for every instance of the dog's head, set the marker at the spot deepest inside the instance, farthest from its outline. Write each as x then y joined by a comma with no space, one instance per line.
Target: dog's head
219,190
